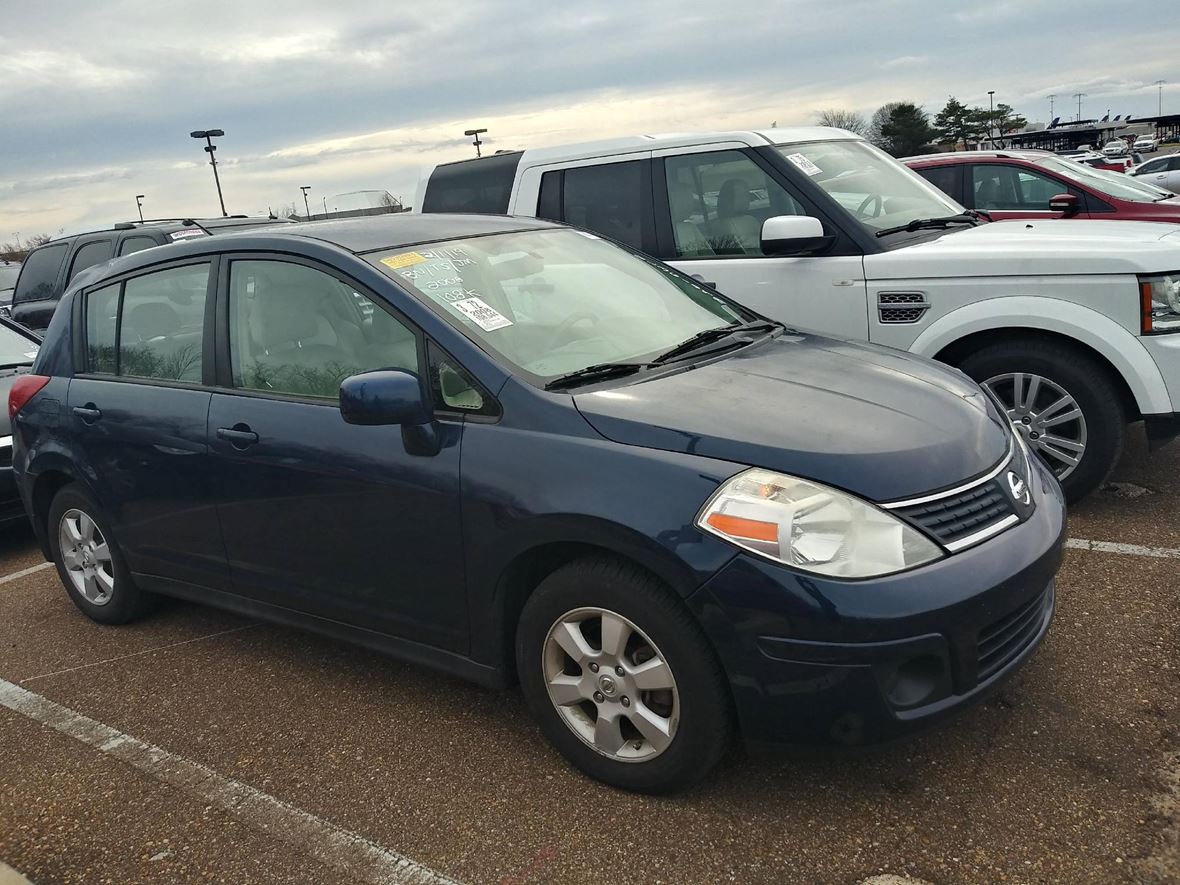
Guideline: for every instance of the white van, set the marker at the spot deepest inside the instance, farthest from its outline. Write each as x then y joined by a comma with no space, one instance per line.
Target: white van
1072,324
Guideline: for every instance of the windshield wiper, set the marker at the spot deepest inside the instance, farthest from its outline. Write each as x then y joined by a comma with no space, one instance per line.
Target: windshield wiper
920,223
597,372
710,335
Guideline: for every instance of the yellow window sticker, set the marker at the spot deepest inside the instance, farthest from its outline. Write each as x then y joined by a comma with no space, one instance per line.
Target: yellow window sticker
406,259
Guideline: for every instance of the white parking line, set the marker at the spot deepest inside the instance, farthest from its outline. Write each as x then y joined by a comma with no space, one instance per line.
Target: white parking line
31,570
1126,549
351,854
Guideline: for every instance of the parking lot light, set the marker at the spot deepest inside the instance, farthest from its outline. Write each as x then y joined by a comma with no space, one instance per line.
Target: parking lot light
211,150
305,188
477,142
139,206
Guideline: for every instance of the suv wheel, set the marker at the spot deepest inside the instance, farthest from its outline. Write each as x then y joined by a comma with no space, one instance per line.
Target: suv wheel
1063,404
621,678
89,561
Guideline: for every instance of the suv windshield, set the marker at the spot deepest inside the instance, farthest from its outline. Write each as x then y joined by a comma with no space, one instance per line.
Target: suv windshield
879,191
1115,184
551,302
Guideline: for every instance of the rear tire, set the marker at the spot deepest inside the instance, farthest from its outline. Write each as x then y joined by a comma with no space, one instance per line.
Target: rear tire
1054,380
89,561
643,658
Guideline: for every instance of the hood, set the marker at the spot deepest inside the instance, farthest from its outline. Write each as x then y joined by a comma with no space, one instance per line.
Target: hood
1034,247
876,422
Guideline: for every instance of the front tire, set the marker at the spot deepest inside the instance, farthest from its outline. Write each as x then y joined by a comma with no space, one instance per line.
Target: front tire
621,678
89,561
1063,403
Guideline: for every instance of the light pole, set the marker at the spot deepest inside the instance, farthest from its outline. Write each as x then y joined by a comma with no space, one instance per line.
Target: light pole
211,150
1160,85
477,142
1051,97
1079,96
305,188
139,206
991,116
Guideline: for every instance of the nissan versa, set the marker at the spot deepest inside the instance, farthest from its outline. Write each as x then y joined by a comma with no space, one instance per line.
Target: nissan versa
514,451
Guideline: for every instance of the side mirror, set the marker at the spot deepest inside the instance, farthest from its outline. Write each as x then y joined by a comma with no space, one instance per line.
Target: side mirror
792,235
1066,204
387,396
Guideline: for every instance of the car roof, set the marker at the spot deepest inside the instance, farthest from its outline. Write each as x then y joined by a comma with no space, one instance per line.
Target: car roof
971,156
636,143
167,225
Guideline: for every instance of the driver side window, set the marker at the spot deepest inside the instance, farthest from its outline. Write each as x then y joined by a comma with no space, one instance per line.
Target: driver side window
299,331
718,201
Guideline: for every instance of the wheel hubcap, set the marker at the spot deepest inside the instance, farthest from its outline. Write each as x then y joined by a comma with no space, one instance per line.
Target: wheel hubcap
610,684
86,557
1046,416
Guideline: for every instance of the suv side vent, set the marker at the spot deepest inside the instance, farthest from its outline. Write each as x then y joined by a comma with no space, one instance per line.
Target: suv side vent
895,308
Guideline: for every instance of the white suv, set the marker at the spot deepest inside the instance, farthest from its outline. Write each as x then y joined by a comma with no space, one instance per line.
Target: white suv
1146,144
1074,325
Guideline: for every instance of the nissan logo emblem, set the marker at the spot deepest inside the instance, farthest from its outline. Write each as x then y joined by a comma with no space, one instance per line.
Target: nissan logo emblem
1019,488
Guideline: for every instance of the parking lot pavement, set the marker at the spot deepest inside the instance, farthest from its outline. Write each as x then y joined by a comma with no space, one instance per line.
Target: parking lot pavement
200,746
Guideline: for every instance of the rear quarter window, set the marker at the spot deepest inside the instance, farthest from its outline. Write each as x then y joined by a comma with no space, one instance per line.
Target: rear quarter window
481,186
39,273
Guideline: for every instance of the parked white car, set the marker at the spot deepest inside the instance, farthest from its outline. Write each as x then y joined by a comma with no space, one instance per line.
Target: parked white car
1116,147
1072,324
1162,172
1146,144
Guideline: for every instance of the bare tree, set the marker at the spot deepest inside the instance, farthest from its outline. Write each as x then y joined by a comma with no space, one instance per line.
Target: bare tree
16,251
842,119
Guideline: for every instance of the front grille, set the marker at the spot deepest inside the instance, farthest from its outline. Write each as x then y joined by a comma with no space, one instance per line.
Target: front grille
1003,640
957,517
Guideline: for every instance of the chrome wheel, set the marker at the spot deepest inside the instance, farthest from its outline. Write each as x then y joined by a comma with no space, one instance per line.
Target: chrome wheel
1046,416
611,685
86,557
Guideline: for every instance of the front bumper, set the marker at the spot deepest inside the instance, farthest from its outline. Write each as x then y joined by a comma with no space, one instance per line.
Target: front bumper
818,661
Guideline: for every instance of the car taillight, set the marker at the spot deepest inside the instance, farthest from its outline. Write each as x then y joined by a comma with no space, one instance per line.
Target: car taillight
24,389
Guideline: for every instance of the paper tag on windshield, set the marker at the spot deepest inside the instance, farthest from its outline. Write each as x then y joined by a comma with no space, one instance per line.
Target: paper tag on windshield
406,259
804,164
481,313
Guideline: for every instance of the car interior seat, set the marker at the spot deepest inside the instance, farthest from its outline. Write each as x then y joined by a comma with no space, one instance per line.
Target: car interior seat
734,221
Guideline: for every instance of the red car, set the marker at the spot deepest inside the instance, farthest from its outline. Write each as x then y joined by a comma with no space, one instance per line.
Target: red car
1038,184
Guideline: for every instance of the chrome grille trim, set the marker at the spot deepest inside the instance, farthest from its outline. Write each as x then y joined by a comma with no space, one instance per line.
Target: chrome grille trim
957,490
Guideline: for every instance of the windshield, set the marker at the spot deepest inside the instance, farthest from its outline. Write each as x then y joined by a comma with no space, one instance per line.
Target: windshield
15,348
1114,184
879,191
551,302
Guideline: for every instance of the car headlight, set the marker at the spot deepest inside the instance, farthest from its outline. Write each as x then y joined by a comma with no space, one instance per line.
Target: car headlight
1159,302
812,527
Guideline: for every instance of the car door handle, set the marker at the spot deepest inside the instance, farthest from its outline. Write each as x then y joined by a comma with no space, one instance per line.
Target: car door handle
88,413
240,436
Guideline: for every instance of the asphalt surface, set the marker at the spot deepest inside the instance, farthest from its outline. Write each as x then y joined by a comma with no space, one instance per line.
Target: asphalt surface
1071,773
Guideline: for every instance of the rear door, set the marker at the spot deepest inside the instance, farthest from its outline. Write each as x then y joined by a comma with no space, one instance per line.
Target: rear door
711,203
137,412
349,523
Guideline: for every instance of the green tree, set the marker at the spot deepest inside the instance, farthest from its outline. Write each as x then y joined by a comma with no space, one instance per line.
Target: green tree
907,130
958,123
878,121
841,119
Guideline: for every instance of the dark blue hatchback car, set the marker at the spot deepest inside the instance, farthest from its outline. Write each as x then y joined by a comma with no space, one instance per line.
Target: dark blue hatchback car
515,451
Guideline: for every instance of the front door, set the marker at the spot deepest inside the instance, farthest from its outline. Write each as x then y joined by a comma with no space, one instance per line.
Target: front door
137,412
712,204
1005,191
324,517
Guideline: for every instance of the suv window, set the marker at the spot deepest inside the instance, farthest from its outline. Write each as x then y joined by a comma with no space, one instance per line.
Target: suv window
718,201
1002,187
297,330
136,244
39,273
482,186
89,255
608,199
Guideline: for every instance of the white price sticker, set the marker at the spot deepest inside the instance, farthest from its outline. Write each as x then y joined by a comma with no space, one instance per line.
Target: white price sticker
481,313
804,164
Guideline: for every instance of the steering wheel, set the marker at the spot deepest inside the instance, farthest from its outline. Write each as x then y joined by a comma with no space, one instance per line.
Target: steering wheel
877,203
568,323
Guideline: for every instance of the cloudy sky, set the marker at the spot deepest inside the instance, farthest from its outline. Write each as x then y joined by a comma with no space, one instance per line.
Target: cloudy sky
97,98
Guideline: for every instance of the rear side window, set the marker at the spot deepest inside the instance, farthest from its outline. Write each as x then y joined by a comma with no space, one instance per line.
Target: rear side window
945,178
150,326
90,255
608,199
481,186
136,244
39,273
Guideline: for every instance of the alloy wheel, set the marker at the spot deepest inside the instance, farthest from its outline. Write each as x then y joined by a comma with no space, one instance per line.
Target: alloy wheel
86,557
611,685
1046,416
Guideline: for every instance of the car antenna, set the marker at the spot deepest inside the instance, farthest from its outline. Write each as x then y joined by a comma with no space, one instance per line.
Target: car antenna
196,223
